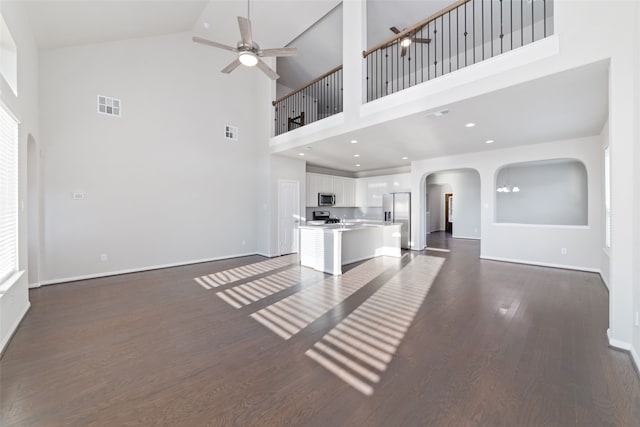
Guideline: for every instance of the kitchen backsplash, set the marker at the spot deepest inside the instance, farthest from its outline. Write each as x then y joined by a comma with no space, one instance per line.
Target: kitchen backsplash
348,213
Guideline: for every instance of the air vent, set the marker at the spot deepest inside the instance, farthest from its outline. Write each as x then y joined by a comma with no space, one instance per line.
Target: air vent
231,132
109,106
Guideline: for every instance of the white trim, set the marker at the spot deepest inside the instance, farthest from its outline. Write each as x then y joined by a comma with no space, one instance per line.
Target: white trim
34,285
10,112
266,255
14,328
604,280
140,269
12,280
623,345
543,264
465,237
515,224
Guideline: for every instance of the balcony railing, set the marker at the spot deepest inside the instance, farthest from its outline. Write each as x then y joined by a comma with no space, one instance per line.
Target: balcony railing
315,101
467,32
462,34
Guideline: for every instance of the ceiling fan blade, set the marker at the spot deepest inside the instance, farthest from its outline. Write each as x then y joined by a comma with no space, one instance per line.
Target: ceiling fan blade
267,70
419,40
395,30
229,68
214,44
245,30
285,51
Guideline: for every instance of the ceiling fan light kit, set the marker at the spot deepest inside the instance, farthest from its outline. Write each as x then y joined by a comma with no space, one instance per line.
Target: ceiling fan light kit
249,52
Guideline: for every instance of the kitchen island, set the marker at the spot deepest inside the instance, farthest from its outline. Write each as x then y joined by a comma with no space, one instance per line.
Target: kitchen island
328,247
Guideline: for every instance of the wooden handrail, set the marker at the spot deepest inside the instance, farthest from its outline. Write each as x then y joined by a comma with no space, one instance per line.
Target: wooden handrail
414,27
316,80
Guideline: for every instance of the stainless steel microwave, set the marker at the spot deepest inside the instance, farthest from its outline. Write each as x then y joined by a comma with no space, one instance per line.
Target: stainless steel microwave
326,199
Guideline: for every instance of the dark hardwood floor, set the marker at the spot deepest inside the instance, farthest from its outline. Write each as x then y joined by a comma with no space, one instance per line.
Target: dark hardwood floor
436,338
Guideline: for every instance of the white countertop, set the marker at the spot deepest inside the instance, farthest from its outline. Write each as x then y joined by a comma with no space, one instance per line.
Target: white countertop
348,226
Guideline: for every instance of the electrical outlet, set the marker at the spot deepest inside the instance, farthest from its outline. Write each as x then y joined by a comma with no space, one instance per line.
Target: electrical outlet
103,257
563,251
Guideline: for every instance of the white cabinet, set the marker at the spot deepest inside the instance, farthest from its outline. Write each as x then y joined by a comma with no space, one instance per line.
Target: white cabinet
344,188
312,190
371,189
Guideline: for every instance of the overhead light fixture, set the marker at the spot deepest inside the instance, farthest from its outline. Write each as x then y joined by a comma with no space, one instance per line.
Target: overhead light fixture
489,141
506,188
405,42
358,165
356,155
248,58
470,125
301,154
405,158
354,141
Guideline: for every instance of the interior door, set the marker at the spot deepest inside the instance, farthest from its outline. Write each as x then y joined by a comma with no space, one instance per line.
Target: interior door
448,213
288,216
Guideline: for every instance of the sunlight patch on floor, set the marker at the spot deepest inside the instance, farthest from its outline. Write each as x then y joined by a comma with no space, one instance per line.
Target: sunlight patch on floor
360,347
226,277
297,311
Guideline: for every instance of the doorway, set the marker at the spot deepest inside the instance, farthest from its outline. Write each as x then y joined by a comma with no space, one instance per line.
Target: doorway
288,216
448,213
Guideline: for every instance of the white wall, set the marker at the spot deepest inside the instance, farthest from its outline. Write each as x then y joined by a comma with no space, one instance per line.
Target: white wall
15,302
465,186
162,186
516,242
552,193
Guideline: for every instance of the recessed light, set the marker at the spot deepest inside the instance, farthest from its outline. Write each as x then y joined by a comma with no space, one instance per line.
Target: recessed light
489,141
301,154
470,125
358,165
354,141
405,158
356,155
441,113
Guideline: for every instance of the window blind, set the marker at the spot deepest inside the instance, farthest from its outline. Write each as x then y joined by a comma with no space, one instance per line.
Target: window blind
8,194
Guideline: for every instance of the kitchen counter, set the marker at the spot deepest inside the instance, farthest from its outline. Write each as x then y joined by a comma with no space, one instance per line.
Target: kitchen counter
330,246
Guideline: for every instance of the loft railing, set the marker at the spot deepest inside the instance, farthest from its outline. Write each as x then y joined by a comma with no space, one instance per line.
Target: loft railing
462,34
318,99
467,32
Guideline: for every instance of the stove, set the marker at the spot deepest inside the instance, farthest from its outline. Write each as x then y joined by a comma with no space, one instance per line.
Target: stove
325,216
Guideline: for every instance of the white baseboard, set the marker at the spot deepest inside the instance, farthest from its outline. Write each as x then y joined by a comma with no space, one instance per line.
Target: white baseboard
13,329
604,280
140,269
622,345
34,285
543,264
465,237
266,255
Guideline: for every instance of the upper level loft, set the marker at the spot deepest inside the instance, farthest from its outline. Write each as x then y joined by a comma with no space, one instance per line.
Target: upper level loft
408,43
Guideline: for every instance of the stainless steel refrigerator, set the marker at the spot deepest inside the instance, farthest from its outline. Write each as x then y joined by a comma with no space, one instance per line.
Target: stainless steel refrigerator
397,210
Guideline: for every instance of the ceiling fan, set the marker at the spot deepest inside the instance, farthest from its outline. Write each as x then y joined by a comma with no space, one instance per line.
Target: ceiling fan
249,52
408,38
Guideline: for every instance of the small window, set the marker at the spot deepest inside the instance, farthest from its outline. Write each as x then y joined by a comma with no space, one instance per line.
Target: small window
109,106
231,132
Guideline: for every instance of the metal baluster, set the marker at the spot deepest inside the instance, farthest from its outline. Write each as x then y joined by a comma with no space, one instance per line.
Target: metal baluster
511,21
435,49
501,29
521,23
465,34
473,21
449,16
532,23
442,45
544,18
491,13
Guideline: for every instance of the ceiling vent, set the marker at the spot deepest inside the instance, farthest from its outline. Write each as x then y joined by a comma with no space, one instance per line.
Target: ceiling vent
109,106
231,132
